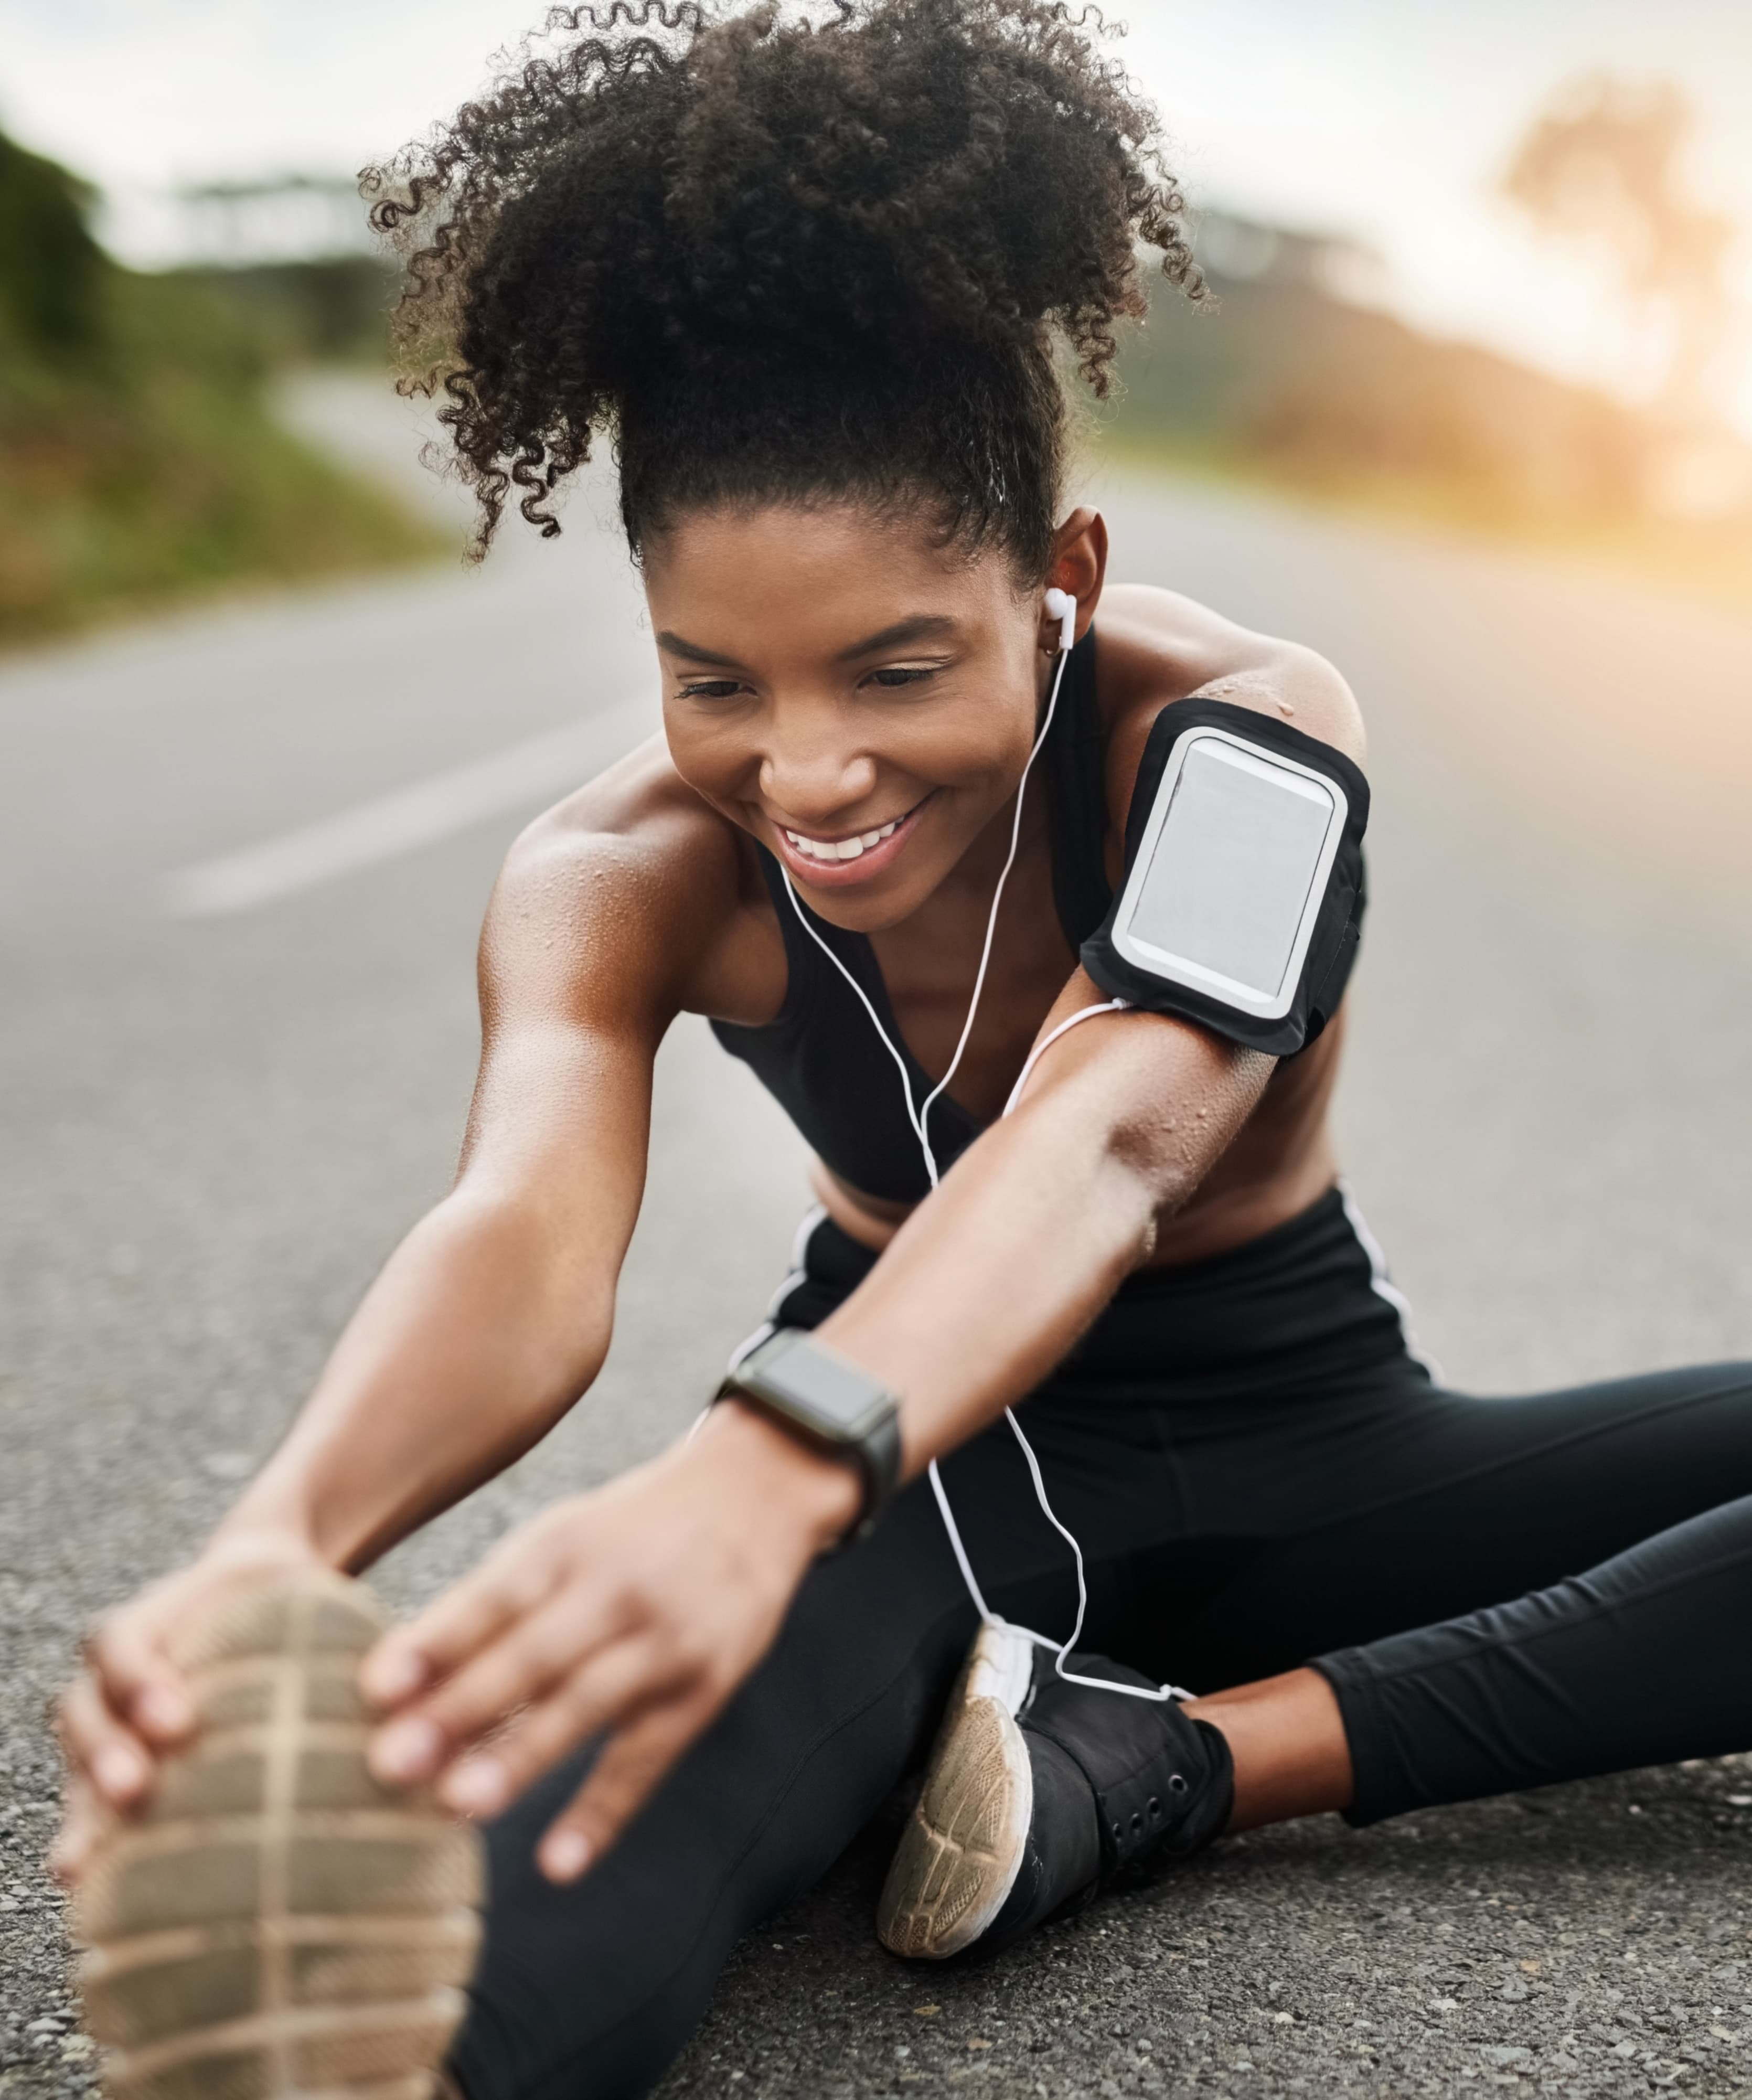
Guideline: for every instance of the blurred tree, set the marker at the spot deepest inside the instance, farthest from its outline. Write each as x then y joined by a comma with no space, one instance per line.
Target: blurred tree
138,457
51,269
331,309
1601,164
1285,374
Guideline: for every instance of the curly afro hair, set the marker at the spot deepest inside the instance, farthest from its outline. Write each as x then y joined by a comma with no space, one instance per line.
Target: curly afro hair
777,257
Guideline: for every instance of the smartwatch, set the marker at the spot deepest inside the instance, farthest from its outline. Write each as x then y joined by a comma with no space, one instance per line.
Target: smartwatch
831,1405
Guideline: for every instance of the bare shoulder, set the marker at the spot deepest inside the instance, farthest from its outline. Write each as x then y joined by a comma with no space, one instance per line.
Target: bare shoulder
616,900
1157,646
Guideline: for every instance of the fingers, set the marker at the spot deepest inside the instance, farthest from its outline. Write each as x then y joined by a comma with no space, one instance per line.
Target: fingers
608,1689
117,1764
81,1820
503,1590
633,1763
522,1664
138,1681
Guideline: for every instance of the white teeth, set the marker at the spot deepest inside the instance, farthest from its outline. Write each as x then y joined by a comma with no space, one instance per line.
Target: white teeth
837,849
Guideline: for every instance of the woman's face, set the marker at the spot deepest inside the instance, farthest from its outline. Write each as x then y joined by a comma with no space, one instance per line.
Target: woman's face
860,699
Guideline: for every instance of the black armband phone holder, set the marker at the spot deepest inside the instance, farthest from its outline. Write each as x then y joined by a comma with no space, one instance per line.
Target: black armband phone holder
1243,899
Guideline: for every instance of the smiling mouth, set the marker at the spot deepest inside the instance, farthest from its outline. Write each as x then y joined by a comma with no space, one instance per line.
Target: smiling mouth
858,857
834,850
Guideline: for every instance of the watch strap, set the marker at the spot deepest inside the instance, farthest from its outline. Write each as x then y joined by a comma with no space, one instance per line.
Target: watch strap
831,1405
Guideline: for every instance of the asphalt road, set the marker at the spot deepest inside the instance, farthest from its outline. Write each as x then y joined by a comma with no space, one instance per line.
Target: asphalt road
215,1126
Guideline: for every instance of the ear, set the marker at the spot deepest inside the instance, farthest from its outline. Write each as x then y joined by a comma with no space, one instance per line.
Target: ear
1079,566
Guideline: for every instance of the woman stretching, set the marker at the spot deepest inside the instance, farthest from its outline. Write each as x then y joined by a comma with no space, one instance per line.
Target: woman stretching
817,287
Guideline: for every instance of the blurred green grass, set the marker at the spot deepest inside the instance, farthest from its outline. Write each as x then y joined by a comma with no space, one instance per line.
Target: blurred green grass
140,462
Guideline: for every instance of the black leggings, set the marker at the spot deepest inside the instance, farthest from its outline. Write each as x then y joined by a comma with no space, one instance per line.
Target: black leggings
1262,1474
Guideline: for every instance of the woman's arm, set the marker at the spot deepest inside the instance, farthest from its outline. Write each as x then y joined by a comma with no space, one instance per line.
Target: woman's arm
495,1313
487,1322
635,1611
986,1286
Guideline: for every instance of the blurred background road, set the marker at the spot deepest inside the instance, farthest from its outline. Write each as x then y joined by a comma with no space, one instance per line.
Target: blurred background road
223,1096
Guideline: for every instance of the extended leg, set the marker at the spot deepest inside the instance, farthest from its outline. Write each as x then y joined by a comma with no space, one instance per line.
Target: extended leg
1462,1503
1633,1663
1639,1662
1348,1520
588,1991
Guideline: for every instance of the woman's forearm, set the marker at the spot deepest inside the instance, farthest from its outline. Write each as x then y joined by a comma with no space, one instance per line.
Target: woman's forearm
991,1280
476,1337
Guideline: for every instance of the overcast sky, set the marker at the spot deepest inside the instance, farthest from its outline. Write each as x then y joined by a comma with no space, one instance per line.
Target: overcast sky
1389,119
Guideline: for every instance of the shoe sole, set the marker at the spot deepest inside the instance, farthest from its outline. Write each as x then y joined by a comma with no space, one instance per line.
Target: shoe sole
964,1844
276,1923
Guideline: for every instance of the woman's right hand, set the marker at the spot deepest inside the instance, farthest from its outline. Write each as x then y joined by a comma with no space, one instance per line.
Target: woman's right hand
129,1706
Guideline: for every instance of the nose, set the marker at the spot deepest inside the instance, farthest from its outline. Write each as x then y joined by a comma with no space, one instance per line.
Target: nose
813,778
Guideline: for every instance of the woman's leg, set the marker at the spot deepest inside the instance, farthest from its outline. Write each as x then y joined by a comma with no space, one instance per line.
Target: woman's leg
1635,1662
1638,1661
1290,1747
588,1991
1340,1521
1414,1492
1456,1505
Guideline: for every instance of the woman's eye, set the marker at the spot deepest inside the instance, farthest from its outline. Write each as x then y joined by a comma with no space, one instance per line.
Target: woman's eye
894,674
711,689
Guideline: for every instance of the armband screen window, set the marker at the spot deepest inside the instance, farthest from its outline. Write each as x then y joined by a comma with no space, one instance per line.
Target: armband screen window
1227,882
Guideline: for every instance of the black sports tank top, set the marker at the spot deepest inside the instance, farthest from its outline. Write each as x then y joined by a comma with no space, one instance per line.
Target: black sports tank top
819,1057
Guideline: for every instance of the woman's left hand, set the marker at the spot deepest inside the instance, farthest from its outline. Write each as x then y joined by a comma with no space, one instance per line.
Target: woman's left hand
632,1613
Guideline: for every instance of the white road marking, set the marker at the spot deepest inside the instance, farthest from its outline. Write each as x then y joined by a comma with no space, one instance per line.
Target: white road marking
417,815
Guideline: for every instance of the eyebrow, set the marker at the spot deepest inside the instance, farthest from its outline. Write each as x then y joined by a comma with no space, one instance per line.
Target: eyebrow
675,646
922,627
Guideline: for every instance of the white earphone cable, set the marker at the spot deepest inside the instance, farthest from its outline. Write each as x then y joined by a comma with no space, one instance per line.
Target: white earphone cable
960,1551
917,1118
1046,1043
991,921
900,1062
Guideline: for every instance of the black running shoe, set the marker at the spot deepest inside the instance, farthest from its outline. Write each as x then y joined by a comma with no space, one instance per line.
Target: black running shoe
1039,1794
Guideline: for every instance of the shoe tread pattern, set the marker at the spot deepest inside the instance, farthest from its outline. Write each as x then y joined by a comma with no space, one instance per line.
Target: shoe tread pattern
276,1924
962,1848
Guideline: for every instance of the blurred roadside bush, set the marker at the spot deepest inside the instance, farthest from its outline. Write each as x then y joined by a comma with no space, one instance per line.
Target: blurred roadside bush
1291,376
333,311
138,461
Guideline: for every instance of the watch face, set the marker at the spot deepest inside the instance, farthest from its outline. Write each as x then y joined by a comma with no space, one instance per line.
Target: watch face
837,1397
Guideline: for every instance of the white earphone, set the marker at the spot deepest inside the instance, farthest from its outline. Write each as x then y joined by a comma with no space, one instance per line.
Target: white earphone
1062,607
